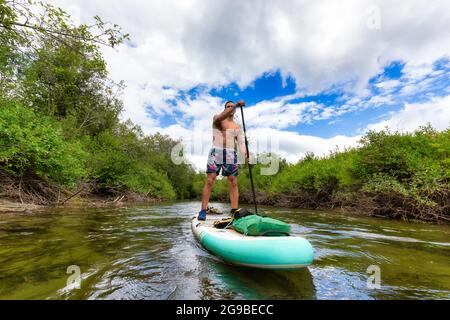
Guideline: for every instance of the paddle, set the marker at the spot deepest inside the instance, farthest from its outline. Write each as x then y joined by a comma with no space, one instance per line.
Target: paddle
249,165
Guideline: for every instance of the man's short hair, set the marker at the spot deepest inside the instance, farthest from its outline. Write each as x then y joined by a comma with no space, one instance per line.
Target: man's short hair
228,103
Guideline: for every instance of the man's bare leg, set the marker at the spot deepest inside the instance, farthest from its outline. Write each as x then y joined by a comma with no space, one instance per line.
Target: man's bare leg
210,181
234,192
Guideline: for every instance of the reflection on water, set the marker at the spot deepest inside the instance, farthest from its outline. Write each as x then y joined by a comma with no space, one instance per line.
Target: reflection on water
148,252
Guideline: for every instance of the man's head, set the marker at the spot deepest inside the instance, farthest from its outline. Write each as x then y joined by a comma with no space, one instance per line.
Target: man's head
230,104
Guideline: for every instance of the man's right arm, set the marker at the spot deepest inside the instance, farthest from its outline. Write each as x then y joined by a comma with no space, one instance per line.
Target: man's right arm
227,112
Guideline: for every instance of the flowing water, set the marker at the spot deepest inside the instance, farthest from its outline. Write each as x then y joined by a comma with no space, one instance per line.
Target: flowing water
148,252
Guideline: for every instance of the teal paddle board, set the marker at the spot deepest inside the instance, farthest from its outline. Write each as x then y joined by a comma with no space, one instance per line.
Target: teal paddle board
273,253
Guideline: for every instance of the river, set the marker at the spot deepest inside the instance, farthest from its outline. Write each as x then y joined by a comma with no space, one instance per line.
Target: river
148,252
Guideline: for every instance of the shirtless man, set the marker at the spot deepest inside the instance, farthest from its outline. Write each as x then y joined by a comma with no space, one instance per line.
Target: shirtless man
227,137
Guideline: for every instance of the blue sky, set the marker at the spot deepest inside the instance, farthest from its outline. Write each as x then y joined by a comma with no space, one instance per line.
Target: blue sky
315,75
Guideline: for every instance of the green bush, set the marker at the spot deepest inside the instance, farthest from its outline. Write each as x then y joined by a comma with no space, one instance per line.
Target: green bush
118,160
412,164
402,156
62,122
315,174
149,182
32,143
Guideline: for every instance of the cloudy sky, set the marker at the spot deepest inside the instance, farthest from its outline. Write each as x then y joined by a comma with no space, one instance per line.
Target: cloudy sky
315,74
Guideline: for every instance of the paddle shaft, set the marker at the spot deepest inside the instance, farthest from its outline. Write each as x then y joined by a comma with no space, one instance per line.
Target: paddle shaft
248,162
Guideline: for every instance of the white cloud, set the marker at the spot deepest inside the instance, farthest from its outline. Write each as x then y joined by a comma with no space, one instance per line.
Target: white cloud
280,115
322,43
417,72
379,100
436,112
388,84
294,146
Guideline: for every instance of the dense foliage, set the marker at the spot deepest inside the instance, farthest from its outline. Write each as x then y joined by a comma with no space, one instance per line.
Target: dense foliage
32,143
59,111
400,175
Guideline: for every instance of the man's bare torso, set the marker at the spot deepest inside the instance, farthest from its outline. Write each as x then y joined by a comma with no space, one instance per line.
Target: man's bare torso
226,134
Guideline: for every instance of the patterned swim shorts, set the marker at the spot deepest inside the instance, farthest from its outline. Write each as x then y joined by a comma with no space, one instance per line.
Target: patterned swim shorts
224,160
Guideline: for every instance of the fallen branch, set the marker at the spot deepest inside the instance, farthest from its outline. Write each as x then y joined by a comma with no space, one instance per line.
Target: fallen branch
20,191
119,200
72,196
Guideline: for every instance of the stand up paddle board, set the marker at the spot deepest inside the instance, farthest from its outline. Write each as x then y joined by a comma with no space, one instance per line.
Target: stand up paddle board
274,253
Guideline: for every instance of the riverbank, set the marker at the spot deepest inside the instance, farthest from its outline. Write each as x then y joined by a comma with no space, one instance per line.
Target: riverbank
86,200
392,207
379,205
32,193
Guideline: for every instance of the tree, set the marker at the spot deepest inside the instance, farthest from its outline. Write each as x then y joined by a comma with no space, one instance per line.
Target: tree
27,21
